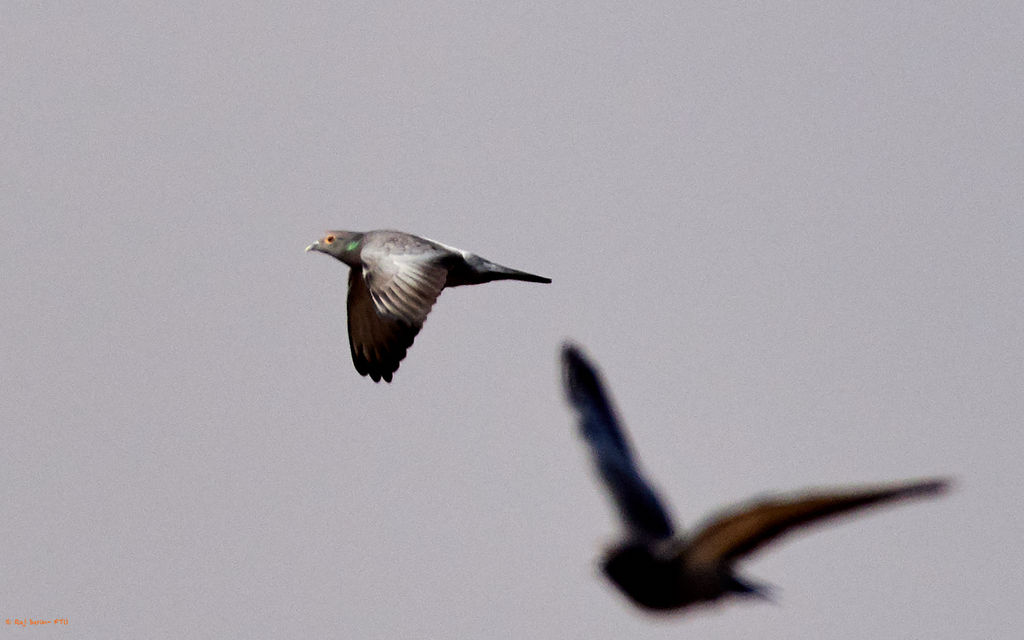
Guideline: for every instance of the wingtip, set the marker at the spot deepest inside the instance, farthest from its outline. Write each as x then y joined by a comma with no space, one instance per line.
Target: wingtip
581,378
571,353
575,365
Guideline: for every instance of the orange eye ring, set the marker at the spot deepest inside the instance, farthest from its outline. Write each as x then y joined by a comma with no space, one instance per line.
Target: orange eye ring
329,239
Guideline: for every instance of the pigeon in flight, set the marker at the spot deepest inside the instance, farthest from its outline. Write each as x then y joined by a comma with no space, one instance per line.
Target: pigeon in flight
660,570
394,280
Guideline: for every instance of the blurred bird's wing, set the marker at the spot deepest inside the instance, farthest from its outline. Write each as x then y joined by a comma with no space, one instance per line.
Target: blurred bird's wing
403,279
637,503
378,344
749,527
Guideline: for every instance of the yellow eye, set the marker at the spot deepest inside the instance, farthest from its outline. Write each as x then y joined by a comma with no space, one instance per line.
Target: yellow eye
329,239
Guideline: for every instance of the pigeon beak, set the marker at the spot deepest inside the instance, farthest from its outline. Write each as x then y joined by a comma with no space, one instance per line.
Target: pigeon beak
311,247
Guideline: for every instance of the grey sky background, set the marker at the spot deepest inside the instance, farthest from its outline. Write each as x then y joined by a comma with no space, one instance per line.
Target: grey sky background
791,238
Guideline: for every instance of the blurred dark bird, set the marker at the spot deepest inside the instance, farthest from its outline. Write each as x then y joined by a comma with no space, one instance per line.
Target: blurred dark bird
662,571
394,280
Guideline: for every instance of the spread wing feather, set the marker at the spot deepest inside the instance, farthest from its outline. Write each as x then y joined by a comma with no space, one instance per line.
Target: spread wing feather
637,503
378,344
753,525
403,286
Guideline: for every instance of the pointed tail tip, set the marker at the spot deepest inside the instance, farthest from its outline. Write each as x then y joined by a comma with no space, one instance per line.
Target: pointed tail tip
506,273
529,277
929,487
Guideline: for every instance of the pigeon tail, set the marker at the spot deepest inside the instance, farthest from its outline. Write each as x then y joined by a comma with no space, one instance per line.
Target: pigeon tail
498,272
472,269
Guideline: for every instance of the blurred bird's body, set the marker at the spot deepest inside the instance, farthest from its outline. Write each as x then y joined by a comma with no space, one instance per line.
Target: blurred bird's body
660,570
394,281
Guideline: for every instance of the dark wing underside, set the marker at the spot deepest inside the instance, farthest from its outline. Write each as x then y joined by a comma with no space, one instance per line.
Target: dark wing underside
637,503
378,344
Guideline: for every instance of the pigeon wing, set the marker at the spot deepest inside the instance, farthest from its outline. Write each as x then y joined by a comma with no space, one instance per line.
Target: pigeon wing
637,503
749,527
378,344
403,285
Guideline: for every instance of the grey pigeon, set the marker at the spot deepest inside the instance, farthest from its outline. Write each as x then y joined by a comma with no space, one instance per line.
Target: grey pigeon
662,571
394,280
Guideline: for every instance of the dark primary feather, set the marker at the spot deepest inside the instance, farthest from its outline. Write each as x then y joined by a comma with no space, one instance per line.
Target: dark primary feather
749,527
636,501
377,344
587,394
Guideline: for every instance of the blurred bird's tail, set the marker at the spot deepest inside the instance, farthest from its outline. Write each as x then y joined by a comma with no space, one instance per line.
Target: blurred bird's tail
745,587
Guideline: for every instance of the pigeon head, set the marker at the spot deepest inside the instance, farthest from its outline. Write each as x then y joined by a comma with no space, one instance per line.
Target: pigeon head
343,245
